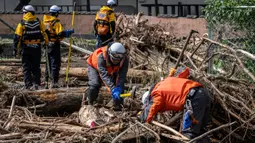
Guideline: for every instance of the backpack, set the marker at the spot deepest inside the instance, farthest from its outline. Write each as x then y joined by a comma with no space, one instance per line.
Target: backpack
103,24
50,30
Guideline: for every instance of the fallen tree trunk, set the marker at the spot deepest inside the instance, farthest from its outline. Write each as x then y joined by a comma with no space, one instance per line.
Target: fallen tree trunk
83,72
52,101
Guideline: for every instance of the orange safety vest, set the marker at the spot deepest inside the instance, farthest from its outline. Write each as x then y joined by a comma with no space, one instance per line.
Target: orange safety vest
174,92
93,60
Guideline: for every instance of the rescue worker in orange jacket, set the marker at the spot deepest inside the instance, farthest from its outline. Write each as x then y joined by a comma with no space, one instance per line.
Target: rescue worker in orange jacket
56,33
110,65
104,24
175,94
29,35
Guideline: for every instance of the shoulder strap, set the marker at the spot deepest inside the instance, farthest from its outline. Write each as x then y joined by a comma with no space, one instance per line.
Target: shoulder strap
54,22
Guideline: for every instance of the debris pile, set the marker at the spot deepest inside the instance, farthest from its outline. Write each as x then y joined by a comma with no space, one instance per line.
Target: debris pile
146,43
60,115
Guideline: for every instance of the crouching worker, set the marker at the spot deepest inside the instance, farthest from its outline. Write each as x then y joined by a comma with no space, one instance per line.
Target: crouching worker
29,35
56,33
110,65
178,93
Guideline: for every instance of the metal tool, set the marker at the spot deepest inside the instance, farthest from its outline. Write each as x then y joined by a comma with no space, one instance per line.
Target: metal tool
130,94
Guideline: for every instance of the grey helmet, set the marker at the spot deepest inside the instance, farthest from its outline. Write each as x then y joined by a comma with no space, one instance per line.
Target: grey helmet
117,51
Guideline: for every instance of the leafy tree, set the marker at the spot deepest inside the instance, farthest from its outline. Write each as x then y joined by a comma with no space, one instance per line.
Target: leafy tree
241,19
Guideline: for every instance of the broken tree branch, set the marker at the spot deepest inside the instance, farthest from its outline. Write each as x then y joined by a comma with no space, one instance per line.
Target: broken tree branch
169,129
211,131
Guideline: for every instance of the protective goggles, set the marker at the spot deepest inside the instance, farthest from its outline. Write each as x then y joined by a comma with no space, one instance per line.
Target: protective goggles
116,56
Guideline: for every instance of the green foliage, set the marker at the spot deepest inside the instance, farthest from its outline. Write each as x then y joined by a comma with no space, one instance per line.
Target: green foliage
241,19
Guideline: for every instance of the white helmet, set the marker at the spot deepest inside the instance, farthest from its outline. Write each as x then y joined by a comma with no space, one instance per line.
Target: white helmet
111,2
28,8
117,51
55,8
145,97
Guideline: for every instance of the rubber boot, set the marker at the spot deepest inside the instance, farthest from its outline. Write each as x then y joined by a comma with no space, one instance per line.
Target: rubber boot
92,94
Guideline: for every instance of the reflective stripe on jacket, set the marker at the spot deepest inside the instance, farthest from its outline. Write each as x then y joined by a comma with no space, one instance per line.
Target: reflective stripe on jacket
30,31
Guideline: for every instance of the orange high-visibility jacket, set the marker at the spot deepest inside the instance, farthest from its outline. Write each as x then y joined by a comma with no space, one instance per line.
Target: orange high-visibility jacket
100,61
93,60
170,94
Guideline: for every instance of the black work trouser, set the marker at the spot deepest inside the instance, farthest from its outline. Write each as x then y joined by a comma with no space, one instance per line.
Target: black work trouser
101,40
31,59
95,85
54,58
200,102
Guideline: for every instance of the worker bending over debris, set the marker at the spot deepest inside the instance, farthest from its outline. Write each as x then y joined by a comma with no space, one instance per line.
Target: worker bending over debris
109,64
104,24
56,33
176,93
29,35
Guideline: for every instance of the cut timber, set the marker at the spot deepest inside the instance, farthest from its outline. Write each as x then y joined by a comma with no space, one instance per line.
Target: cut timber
83,72
80,72
54,91
52,102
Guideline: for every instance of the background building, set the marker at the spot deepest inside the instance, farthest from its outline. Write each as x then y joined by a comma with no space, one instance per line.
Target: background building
148,7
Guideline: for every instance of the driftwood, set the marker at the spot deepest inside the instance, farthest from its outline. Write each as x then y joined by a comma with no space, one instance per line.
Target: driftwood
67,128
170,129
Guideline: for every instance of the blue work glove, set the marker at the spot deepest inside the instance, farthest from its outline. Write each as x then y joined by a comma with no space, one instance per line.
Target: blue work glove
116,93
187,121
68,33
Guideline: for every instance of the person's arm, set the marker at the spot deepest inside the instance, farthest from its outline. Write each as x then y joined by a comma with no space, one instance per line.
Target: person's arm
59,29
123,73
61,33
43,31
104,73
155,108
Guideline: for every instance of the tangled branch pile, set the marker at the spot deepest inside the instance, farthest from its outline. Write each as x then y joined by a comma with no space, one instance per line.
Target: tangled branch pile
150,48
231,84
146,43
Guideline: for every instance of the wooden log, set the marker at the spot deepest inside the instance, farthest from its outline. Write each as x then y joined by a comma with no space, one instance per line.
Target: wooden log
80,72
10,136
67,128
